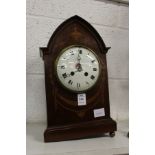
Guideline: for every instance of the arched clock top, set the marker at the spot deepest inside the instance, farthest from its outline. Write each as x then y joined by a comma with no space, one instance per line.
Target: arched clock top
70,32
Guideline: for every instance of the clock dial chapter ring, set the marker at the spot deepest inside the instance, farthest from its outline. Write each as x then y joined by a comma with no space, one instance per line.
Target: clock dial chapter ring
77,68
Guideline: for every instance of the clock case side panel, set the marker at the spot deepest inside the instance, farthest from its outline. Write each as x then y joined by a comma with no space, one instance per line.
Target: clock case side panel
49,88
51,91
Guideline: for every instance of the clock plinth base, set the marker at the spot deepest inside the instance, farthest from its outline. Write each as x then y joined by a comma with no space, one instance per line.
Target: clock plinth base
79,130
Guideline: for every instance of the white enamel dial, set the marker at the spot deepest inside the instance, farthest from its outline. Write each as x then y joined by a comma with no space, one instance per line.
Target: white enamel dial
77,68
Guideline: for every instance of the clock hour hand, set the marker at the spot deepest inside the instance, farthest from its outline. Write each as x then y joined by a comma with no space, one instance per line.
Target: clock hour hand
78,67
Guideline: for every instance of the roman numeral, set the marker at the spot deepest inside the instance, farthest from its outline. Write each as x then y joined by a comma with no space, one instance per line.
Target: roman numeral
62,67
64,75
70,82
72,53
63,58
80,51
94,69
92,77
78,85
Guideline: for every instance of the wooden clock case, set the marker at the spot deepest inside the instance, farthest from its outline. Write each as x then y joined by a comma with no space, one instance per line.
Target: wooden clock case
65,119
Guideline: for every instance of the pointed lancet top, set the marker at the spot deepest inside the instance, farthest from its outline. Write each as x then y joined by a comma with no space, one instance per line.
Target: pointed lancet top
85,24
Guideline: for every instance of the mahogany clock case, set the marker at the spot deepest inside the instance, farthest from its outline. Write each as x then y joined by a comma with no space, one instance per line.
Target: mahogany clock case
65,119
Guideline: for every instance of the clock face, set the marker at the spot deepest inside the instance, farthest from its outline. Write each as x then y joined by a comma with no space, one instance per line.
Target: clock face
77,68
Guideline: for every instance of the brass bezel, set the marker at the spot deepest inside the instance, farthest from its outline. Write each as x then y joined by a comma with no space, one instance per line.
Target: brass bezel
56,62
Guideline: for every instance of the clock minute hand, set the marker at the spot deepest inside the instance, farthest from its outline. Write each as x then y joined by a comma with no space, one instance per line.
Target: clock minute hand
78,66
78,58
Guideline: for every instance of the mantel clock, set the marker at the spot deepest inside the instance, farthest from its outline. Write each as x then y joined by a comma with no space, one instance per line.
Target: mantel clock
76,83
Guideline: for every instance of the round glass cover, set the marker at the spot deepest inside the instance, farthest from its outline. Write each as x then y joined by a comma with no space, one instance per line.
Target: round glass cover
77,68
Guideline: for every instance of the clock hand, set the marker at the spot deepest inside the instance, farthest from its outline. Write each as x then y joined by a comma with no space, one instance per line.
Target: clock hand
78,57
78,67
